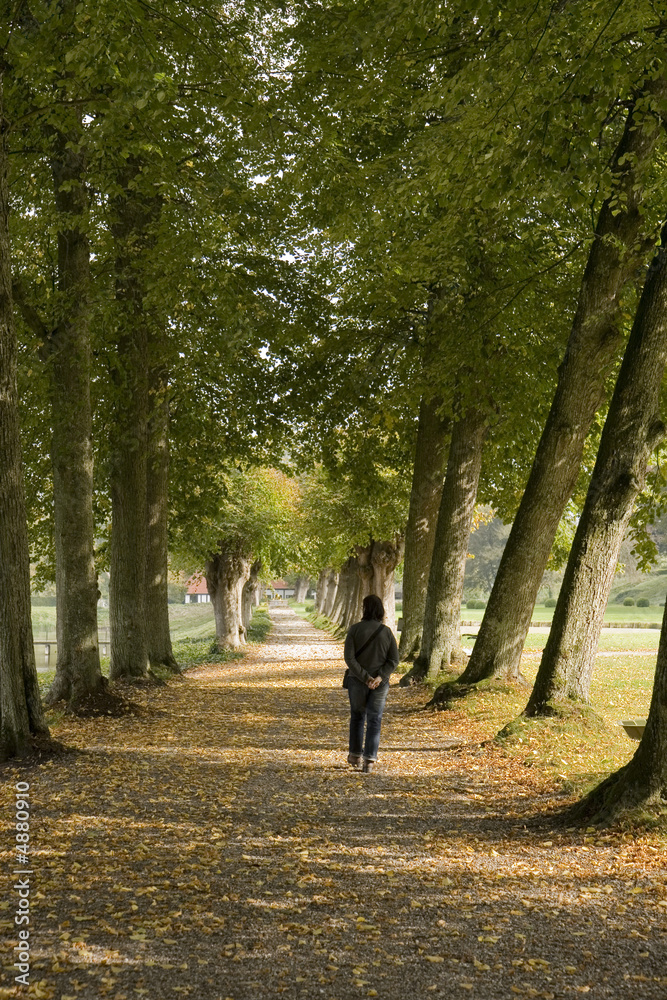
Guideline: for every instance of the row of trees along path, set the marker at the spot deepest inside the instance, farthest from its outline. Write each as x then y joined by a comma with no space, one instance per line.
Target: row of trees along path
215,844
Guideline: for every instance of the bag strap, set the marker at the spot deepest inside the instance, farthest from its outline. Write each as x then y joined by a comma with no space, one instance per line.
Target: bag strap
368,641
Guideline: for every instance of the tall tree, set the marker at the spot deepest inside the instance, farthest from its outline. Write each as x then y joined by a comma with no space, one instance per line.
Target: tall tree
158,636
428,475
78,674
21,713
441,639
52,99
632,431
136,216
619,245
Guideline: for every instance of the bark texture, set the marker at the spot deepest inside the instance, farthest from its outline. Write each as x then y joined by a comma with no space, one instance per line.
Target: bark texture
384,558
133,233
301,586
363,566
642,783
321,590
427,481
347,593
369,570
20,706
67,349
158,635
631,432
331,591
592,347
249,593
442,638
226,574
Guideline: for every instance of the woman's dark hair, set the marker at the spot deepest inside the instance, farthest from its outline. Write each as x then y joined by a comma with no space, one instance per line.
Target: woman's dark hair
373,608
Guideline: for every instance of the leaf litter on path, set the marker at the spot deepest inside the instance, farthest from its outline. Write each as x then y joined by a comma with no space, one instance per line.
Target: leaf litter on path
218,846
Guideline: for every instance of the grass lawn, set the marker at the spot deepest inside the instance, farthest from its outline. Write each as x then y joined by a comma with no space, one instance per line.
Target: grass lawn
192,620
610,639
614,613
192,634
576,751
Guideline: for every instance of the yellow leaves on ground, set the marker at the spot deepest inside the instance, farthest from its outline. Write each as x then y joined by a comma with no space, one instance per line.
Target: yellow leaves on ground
236,855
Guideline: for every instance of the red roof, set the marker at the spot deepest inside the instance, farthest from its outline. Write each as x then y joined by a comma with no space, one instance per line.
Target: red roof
279,584
197,585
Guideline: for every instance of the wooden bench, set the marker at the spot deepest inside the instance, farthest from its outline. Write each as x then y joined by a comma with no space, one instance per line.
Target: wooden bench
634,727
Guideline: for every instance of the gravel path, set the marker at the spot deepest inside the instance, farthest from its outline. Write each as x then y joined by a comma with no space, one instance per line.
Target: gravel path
216,845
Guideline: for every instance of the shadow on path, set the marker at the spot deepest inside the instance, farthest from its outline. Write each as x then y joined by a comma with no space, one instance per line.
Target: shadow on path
218,846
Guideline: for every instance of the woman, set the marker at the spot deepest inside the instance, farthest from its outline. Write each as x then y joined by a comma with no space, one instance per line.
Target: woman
371,654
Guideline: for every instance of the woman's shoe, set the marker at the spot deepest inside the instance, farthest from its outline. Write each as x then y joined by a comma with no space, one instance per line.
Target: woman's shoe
354,759
367,765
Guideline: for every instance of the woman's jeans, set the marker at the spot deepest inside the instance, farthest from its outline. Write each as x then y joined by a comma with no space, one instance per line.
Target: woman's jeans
366,706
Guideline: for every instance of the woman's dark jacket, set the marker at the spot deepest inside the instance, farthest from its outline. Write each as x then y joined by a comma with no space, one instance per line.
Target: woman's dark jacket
379,657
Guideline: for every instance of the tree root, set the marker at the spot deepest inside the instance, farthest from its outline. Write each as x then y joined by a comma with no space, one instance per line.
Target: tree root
415,675
447,694
104,702
625,796
39,749
167,665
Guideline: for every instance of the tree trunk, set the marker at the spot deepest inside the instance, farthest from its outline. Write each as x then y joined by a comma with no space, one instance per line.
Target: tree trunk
301,588
346,592
594,340
631,432
385,557
360,579
250,588
226,574
78,674
427,479
339,596
363,567
331,594
643,781
127,584
321,592
158,634
442,619
132,230
20,705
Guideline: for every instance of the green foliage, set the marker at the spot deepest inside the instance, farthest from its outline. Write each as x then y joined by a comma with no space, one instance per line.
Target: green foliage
350,507
191,653
426,117
169,107
260,625
475,604
643,602
251,509
628,602
645,529
176,592
550,602
359,204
